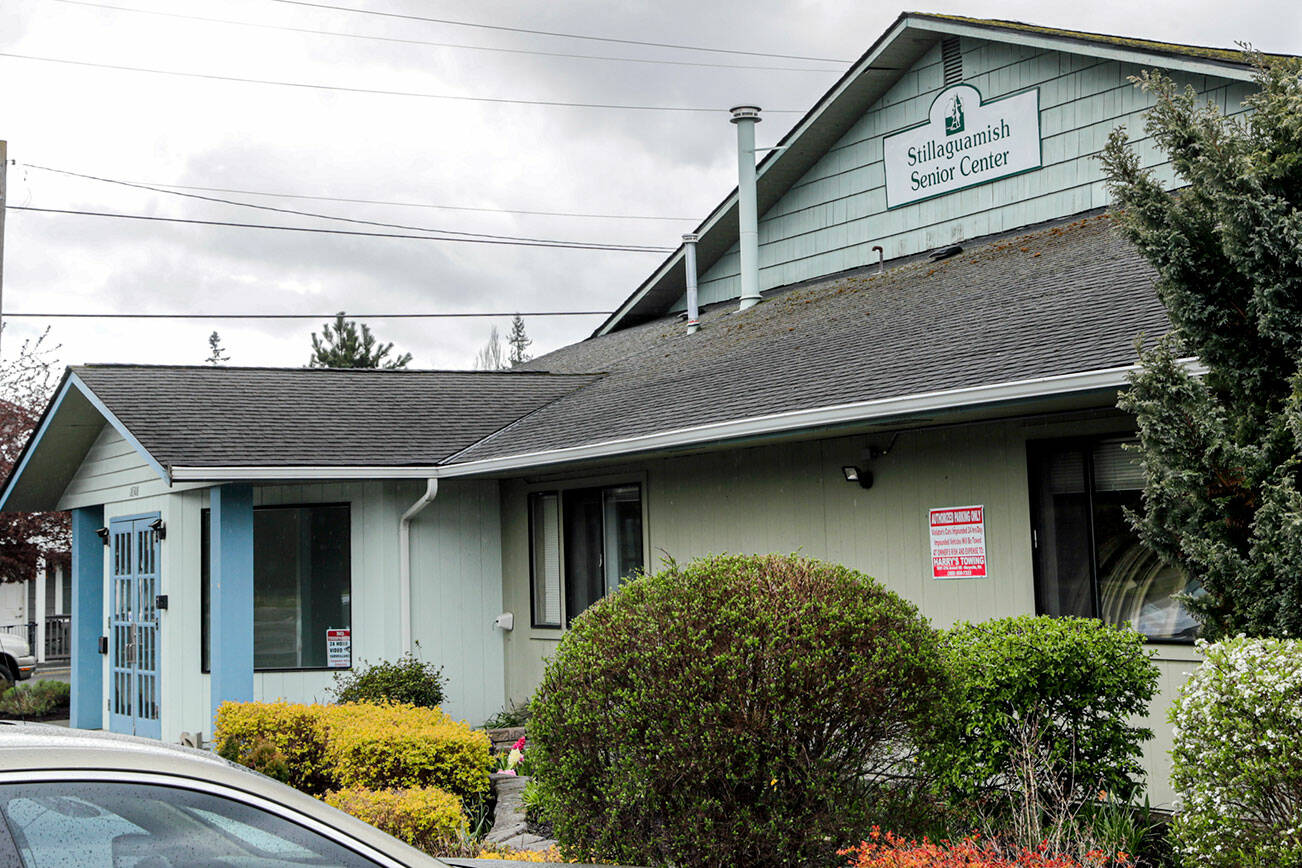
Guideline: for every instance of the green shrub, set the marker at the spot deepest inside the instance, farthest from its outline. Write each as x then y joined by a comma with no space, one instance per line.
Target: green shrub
1238,755
513,714
406,681
739,710
358,745
34,699
426,817
1045,703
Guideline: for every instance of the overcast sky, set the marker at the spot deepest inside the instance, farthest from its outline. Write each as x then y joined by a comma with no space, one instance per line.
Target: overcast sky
158,129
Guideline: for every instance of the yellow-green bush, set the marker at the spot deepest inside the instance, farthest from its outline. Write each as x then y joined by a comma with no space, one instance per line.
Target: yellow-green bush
425,817
357,745
246,729
399,746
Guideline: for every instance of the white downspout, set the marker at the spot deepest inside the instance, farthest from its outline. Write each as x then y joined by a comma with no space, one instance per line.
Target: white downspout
404,560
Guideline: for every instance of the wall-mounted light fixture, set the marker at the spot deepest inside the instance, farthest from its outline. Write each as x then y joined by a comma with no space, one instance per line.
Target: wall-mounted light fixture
159,527
103,533
858,474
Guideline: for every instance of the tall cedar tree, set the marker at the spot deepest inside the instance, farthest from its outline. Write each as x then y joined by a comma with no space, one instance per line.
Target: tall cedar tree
26,384
518,341
1222,453
344,345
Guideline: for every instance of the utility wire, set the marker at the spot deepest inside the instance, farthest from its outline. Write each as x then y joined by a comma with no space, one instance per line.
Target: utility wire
299,213
326,316
503,28
377,91
316,231
422,204
399,40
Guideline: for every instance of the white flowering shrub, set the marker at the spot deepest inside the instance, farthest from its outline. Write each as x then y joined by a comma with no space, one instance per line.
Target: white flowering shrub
1238,755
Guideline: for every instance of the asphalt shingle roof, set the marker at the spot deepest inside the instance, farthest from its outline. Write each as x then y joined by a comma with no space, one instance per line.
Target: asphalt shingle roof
215,416
1067,298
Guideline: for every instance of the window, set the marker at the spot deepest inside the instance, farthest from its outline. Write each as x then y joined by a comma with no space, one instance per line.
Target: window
583,541
89,823
302,569
1088,561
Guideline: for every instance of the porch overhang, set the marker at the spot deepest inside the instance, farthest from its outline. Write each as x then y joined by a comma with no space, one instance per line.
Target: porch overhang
62,438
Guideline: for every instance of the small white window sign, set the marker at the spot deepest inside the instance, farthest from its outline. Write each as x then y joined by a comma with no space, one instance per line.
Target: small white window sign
958,542
339,647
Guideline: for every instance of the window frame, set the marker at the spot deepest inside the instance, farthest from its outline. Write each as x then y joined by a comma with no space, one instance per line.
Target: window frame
558,488
1036,449
205,624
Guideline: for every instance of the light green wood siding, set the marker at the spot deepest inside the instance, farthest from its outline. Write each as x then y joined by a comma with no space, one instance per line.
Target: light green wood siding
456,593
831,218
110,471
792,498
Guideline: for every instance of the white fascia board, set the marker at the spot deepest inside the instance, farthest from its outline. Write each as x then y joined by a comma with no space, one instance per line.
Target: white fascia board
819,417
1081,45
298,471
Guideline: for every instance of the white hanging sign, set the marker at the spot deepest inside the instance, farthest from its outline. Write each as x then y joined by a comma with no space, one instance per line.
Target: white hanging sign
958,542
339,647
965,141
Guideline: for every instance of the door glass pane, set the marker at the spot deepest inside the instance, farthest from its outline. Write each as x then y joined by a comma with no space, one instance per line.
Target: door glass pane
128,825
623,521
1062,551
585,576
545,528
1135,587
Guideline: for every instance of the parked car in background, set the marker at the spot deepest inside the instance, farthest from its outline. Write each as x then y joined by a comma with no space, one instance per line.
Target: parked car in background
17,662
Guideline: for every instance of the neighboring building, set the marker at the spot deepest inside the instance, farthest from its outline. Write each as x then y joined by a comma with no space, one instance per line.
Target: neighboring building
947,425
39,609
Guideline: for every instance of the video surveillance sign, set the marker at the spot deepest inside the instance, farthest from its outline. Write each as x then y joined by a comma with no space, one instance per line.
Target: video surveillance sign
965,141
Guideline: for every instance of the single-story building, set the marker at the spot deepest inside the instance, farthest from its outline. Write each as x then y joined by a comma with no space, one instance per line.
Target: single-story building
902,354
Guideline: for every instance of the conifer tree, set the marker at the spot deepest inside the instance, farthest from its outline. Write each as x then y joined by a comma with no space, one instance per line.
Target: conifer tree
518,341
216,352
343,344
1222,451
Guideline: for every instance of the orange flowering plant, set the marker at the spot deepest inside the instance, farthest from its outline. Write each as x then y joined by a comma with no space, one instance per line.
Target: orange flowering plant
887,850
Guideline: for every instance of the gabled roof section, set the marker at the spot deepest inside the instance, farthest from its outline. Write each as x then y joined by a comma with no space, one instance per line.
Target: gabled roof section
213,423
1035,311
867,80
68,427
196,417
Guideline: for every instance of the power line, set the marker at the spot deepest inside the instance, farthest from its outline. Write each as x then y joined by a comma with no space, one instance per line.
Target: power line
377,91
424,204
355,233
300,213
326,316
505,29
425,42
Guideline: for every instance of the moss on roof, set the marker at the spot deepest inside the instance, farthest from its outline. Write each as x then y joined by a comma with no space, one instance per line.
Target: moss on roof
1225,55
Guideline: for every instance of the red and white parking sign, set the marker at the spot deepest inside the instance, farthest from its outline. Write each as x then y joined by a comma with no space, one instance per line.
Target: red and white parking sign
958,542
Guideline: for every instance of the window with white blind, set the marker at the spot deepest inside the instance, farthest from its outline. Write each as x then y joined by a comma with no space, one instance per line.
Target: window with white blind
1088,560
583,542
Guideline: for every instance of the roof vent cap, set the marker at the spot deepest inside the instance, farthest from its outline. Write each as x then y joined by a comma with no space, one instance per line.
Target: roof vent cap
945,252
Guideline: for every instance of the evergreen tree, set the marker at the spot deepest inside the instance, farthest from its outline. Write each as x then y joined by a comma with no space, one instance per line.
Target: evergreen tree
216,352
518,341
343,344
491,357
1222,452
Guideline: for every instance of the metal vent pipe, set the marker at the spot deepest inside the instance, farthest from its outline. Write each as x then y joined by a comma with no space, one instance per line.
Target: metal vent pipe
746,117
689,260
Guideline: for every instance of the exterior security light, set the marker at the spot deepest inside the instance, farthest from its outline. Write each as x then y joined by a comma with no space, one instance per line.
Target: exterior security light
103,534
158,527
859,475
